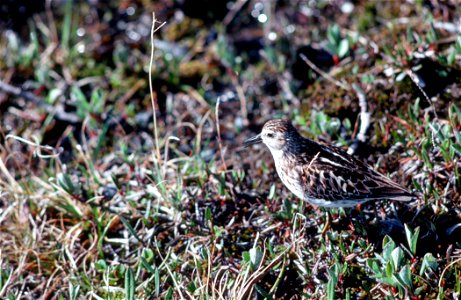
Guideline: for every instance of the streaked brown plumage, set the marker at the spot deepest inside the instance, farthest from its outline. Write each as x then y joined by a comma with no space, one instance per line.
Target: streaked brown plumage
321,174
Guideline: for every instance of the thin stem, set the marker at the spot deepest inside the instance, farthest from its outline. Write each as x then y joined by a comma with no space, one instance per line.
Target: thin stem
151,63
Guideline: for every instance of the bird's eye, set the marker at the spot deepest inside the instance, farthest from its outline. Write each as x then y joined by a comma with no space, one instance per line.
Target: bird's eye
270,135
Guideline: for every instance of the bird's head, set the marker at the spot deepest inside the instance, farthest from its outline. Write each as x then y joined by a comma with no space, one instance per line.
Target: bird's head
276,134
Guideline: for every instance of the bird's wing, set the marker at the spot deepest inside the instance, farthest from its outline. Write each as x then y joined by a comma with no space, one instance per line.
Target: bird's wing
333,175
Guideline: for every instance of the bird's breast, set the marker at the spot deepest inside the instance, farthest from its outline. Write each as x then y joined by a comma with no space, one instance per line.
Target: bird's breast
290,175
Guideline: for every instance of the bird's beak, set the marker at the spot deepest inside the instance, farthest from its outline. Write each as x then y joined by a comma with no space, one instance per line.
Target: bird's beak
252,141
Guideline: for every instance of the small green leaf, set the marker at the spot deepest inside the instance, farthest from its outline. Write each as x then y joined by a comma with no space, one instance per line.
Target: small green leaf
271,192
332,282
148,254
405,275
397,255
333,34
347,124
390,280
400,77
388,247
256,256
146,265
419,290
191,287
101,265
451,57
415,108
208,214
429,262
73,291
53,95
169,294
457,148
130,228
458,283
246,257
204,253
374,265
129,284
263,292
157,282
66,183
389,269
66,32
343,48
412,238
97,101
348,293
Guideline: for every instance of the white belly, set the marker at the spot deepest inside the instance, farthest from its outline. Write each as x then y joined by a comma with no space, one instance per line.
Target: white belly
292,182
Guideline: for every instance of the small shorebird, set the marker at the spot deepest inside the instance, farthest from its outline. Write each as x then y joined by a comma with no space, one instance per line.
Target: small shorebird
323,175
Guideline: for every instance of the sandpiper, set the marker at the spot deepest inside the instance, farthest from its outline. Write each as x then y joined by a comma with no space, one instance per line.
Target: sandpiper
323,175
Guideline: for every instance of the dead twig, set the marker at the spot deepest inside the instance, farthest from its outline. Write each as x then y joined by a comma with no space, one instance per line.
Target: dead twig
417,82
57,111
365,117
151,89
236,7
219,135
15,91
38,148
242,98
324,74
